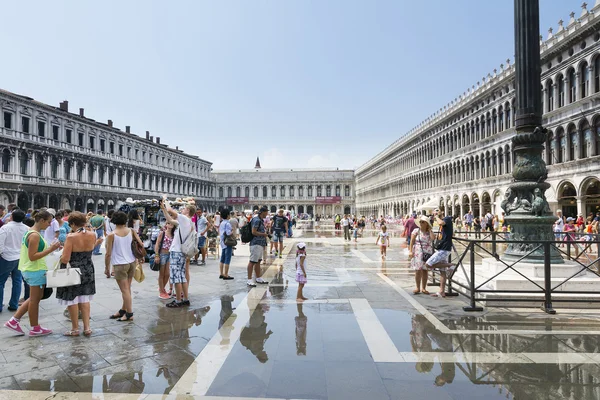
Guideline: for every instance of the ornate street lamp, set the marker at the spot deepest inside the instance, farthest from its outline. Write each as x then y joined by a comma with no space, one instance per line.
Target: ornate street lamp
525,205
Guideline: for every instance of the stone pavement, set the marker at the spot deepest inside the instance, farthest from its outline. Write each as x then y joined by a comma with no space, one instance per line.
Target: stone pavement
362,335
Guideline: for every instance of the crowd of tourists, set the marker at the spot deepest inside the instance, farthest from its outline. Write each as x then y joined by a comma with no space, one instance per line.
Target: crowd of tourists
35,243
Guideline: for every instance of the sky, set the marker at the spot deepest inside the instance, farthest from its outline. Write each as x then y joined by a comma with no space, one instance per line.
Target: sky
298,83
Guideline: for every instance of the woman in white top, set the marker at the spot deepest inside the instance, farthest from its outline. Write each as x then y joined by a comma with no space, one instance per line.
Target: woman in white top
120,255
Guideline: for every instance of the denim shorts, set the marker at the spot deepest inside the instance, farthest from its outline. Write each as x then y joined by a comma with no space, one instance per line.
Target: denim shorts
226,255
201,242
164,259
278,236
35,278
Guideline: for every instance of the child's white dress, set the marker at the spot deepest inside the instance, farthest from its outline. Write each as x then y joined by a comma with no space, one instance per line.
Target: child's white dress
300,278
383,239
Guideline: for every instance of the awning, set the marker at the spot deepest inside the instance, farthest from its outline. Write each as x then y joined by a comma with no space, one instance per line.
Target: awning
430,205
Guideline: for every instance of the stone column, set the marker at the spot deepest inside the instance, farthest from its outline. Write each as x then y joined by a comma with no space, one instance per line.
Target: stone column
580,205
525,205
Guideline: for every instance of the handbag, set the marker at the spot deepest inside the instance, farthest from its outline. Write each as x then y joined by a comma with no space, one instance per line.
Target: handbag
153,265
138,275
63,277
424,256
230,240
138,250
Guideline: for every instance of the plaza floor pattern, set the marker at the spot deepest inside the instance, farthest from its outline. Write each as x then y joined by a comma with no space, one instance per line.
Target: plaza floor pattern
361,335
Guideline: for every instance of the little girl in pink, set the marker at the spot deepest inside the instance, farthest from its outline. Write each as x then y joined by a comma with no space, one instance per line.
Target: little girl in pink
301,270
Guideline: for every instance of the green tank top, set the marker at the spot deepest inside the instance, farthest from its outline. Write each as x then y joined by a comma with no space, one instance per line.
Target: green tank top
25,264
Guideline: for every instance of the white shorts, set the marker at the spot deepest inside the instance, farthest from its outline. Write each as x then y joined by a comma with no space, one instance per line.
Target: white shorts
440,256
256,253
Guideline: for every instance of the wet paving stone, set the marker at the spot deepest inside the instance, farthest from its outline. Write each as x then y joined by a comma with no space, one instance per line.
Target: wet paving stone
325,348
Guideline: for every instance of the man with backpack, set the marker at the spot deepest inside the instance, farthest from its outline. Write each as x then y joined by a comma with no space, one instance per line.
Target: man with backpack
183,247
258,243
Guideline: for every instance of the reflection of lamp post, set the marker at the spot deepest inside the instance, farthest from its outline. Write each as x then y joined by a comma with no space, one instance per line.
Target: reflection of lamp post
525,205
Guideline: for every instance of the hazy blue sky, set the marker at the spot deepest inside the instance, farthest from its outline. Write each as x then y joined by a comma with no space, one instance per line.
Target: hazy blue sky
319,83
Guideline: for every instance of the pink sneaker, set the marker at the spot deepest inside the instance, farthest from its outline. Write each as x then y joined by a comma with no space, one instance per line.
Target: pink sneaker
14,326
39,331
164,296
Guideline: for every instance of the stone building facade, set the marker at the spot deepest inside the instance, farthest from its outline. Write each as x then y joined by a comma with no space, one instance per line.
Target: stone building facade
315,192
54,158
460,158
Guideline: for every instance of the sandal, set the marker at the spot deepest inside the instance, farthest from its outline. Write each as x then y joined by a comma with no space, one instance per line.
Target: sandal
87,332
119,314
439,294
127,316
71,333
174,304
416,291
425,292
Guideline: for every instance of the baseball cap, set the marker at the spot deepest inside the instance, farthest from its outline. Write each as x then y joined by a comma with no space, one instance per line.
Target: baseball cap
52,211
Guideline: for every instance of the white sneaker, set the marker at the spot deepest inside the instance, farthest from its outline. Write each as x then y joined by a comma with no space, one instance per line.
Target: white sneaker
250,283
261,281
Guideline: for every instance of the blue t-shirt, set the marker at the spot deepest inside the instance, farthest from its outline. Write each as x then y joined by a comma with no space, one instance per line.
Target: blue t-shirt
258,224
447,228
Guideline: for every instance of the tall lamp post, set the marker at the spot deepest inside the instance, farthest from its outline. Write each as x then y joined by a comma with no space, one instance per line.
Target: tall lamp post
527,211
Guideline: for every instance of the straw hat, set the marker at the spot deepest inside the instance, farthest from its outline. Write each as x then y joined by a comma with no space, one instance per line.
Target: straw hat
425,219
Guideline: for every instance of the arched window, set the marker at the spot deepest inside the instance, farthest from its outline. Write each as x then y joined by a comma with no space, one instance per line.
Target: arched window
597,74
328,190
282,191
560,84
507,116
319,191
347,190
6,160
24,159
597,136
584,76
291,189
273,191
238,192
310,191
587,140
53,167
561,144
229,192
220,192
494,122
550,94
301,191
255,191
501,119
247,192
572,143
265,190
338,190
572,85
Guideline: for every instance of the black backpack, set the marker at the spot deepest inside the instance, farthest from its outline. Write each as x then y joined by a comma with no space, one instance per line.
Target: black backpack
246,232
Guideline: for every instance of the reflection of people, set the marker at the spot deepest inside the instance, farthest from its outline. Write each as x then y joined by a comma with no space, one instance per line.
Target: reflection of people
254,335
301,321
420,342
226,313
123,383
277,287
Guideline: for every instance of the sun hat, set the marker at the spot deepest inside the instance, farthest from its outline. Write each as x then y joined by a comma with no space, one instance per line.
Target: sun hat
301,245
52,211
425,219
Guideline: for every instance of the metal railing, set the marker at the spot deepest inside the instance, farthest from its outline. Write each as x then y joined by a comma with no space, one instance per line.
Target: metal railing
578,248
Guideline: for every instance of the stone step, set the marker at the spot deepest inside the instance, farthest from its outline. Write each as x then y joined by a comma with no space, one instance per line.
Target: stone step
490,267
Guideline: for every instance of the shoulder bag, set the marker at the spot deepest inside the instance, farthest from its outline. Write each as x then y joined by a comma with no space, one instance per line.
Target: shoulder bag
154,266
138,249
424,256
63,277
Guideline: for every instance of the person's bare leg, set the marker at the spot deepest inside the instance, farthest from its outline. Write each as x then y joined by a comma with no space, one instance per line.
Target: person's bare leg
443,282
418,274
280,248
226,270
85,315
424,274
257,270
74,315
250,268
299,296
187,270
185,286
35,295
178,288
23,309
221,269
203,251
125,286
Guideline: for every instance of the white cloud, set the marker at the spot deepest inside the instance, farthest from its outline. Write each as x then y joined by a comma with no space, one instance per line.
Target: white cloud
274,158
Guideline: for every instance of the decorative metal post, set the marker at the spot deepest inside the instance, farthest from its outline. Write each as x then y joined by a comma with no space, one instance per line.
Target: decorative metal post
527,211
